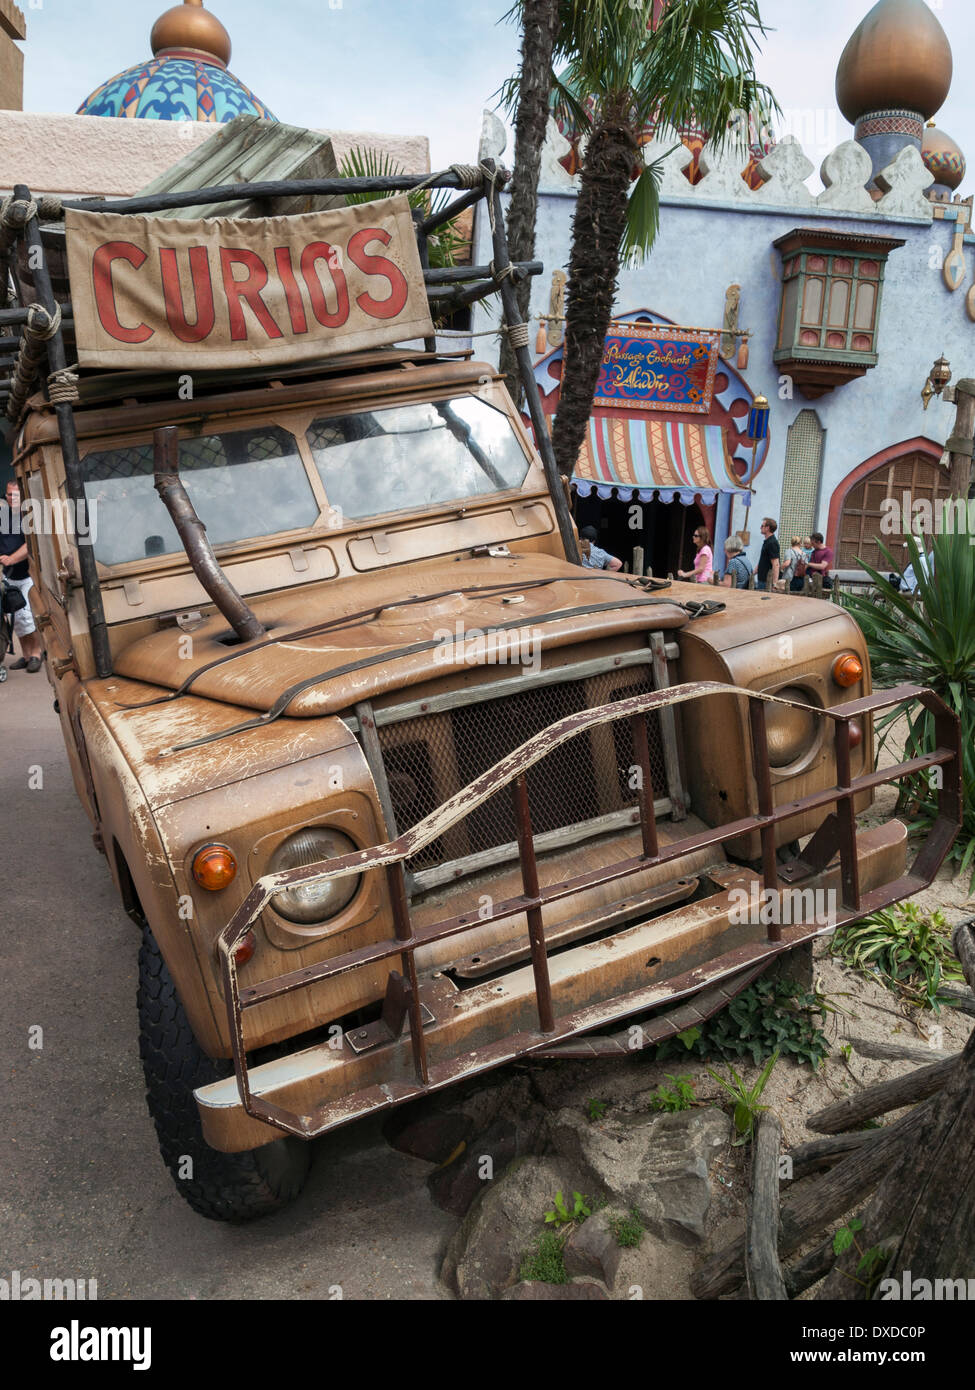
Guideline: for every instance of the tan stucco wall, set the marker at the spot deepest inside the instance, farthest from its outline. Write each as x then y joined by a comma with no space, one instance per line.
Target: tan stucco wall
94,155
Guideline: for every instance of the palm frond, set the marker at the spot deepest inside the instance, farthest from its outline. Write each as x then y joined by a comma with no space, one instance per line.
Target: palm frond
642,215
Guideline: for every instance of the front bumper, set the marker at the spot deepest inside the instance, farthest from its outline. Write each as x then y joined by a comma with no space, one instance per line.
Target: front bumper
453,1033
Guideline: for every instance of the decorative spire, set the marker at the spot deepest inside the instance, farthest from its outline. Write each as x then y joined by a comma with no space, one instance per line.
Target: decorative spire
898,58
190,26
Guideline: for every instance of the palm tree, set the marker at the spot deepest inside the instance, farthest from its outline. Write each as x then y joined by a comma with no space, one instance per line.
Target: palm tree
632,67
529,91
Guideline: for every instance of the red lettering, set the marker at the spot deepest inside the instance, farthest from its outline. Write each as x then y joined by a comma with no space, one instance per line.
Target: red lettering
313,253
378,265
202,294
101,273
282,259
248,290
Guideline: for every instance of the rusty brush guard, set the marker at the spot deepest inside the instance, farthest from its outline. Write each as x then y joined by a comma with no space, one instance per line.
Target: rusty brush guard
836,835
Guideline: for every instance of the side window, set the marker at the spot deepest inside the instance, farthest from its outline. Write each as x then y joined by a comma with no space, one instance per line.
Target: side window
42,538
243,484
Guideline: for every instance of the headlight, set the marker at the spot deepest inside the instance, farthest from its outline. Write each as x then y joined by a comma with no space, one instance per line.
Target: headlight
790,733
314,902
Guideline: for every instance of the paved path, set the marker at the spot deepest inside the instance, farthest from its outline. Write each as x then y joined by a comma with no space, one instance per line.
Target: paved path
84,1192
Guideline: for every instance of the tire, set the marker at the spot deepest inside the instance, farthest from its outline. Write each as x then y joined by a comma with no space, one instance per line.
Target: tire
221,1186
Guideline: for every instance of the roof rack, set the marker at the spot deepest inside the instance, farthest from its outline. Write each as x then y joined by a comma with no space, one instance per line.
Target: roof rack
33,356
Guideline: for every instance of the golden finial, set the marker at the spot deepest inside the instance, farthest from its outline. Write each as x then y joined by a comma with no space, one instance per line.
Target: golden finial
189,25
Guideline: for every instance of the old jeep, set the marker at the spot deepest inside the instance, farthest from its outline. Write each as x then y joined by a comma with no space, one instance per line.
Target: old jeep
395,790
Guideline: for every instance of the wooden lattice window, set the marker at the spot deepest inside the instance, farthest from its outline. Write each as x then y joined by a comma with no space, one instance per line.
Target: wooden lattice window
829,315
919,476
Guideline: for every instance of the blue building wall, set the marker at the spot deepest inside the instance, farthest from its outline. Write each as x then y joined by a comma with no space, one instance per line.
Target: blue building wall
704,246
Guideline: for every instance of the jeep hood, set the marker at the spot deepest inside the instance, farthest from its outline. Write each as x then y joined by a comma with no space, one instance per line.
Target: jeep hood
354,639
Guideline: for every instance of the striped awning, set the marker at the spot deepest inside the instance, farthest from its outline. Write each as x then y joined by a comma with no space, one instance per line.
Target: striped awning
641,459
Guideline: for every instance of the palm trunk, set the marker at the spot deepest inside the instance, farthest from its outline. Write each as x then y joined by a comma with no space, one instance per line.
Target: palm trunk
594,262
537,42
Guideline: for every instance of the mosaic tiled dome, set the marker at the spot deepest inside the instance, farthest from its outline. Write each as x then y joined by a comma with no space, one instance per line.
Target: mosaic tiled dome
943,157
186,79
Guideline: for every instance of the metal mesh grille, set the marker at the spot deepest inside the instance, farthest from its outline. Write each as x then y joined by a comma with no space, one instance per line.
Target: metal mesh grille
429,758
206,451
800,482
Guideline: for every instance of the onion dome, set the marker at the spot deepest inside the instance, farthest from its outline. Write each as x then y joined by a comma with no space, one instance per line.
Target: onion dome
185,80
898,58
942,157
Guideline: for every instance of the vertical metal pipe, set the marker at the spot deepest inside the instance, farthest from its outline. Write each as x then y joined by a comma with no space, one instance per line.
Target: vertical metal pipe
543,440
846,819
57,362
429,344
536,931
396,883
763,782
641,751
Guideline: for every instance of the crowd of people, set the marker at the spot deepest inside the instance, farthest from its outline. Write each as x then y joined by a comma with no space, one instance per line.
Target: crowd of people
805,556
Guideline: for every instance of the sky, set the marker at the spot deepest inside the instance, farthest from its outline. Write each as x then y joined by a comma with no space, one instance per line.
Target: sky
430,67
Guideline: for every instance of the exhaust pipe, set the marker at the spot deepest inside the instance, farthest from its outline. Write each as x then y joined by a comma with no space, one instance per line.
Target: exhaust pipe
193,534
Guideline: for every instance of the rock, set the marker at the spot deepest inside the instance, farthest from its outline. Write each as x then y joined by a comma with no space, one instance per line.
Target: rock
432,1136
485,1253
656,1165
592,1249
485,1157
532,1292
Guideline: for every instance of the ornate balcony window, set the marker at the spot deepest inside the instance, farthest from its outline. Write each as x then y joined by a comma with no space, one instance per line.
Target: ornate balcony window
829,317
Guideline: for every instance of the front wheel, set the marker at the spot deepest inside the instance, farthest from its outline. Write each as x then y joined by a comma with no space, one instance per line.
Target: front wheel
221,1186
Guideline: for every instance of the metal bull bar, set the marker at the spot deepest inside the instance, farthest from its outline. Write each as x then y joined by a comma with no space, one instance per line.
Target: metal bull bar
836,834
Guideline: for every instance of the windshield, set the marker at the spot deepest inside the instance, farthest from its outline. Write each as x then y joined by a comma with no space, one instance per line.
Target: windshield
243,484
412,456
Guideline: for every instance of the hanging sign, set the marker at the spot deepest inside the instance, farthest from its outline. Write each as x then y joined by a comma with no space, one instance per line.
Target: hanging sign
649,367
150,292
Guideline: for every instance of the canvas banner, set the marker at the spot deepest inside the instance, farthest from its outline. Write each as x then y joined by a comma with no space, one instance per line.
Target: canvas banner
151,292
649,367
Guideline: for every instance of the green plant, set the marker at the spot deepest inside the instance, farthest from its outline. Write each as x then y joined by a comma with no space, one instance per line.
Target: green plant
747,1109
546,1262
562,1215
596,1109
871,1262
909,949
444,245
630,64
680,1097
929,642
769,1014
628,1230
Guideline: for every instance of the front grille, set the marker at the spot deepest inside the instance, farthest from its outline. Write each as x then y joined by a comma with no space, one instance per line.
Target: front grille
429,758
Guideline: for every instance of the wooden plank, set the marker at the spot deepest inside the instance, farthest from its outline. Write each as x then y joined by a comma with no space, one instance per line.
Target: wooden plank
810,1269
668,728
250,150
562,838
886,1095
817,1154
898,1052
762,1268
818,1203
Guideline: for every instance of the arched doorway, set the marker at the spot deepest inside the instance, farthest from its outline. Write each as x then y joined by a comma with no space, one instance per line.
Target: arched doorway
910,470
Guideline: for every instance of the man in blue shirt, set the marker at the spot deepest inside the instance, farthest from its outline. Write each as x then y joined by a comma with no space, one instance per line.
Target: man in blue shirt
592,557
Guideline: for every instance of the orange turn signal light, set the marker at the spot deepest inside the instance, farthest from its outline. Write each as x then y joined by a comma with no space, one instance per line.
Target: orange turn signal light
214,867
847,670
